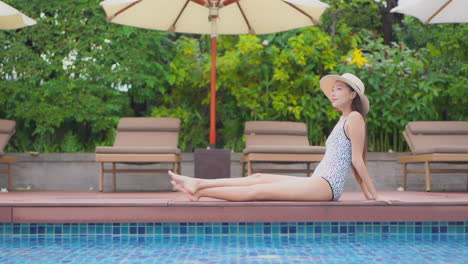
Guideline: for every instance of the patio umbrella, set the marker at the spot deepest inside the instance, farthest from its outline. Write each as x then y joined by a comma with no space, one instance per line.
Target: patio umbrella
11,18
226,17
435,11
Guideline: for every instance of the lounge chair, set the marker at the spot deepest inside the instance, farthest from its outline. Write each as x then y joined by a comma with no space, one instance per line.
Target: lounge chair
7,129
278,142
435,142
141,140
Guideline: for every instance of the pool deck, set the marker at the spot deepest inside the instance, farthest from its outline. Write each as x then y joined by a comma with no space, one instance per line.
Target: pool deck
138,207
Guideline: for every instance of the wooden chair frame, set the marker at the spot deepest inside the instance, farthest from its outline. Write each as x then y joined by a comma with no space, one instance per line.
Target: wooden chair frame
134,159
427,159
9,171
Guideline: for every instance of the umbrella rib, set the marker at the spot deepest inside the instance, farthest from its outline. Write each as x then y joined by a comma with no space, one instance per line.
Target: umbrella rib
251,31
123,10
438,11
172,27
303,12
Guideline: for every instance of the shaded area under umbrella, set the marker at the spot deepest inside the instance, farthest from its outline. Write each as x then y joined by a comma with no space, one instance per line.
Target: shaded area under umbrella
227,17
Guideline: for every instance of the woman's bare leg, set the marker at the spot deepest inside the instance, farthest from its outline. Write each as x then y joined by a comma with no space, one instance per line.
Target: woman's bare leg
300,189
192,185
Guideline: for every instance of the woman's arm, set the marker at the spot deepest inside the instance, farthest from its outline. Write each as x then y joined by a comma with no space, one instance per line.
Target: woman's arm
356,132
361,184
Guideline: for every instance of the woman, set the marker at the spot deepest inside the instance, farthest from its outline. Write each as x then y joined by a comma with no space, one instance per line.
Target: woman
345,147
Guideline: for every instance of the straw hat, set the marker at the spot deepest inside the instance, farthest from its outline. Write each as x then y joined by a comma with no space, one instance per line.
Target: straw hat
327,82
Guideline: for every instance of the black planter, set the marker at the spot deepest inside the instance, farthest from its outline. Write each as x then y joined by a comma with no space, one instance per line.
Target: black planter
212,163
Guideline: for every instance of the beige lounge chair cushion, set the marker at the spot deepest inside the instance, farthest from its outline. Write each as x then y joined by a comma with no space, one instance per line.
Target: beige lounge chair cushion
276,133
438,127
284,149
137,150
7,129
166,124
145,135
147,132
7,126
275,128
437,136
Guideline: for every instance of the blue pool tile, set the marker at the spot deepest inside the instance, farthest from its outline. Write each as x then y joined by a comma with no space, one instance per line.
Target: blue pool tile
359,229
292,230
443,229
217,230
200,230
284,228
343,229
150,230
276,229
99,230
334,229
301,229
24,230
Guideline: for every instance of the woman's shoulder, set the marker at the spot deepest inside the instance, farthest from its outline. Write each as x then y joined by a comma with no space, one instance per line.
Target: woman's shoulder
355,115
355,118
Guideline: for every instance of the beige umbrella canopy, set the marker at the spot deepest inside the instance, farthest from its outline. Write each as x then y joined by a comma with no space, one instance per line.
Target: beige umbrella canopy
435,11
234,16
226,17
11,18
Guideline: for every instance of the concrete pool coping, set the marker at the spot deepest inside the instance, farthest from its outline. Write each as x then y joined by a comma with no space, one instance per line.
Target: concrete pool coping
95,207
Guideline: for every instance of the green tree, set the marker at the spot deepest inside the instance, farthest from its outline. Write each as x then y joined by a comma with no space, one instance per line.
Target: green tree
70,78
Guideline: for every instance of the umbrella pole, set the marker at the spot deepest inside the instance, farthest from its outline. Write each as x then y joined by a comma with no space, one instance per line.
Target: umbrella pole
213,94
213,16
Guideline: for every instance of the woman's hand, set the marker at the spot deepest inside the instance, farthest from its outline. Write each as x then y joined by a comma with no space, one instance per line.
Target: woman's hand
383,199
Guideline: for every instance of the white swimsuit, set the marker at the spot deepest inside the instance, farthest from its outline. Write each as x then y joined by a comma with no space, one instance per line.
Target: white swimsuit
335,165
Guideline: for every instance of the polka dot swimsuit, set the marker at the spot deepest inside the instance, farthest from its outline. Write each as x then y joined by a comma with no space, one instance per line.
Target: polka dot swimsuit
335,165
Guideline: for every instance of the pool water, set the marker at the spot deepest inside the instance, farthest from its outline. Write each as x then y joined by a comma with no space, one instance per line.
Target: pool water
193,249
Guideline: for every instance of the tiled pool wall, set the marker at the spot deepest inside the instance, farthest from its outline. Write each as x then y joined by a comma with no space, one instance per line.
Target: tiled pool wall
288,228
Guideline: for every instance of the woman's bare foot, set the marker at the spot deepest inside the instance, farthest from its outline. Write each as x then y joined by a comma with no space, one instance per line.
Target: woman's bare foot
187,183
190,196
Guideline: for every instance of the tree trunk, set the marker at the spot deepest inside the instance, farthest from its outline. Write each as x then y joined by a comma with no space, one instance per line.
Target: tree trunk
388,19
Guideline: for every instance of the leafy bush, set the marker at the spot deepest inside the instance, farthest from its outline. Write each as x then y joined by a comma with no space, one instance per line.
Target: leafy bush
69,79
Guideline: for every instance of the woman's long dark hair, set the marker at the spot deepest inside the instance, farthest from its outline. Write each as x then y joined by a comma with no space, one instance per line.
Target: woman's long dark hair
356,105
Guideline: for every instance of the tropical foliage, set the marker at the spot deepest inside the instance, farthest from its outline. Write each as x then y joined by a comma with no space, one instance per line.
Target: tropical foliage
68,80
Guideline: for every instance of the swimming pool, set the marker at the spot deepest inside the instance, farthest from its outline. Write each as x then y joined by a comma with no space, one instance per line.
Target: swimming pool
350,242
